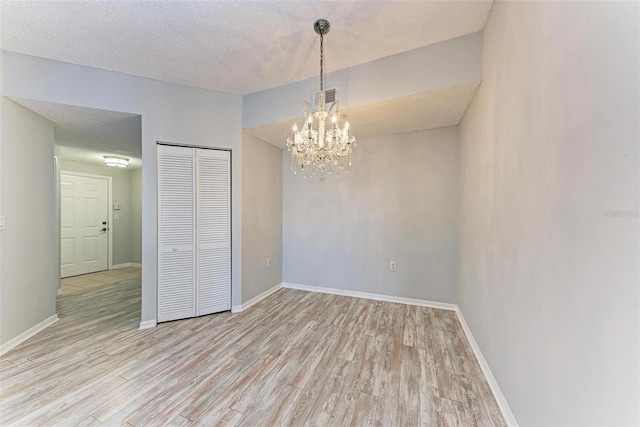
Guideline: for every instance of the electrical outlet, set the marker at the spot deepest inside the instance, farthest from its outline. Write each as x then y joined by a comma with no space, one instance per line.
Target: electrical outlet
392,266
268,262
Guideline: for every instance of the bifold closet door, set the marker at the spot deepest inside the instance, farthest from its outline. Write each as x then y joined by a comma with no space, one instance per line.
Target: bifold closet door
176,225
213,230
194,256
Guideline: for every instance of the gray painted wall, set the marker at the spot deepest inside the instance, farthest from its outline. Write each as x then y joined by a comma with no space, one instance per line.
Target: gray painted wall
28,267
135,193
549,272
122,228
398,203
449,63
170,113
262,216
56,209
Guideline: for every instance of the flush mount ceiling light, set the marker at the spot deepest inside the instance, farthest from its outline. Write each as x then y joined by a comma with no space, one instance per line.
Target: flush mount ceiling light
116,161
317,148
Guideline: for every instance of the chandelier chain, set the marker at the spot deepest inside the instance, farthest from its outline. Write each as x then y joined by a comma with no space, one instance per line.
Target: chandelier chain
321,62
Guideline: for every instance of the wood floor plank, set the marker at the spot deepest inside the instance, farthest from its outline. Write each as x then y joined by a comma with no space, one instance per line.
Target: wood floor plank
387,409
179,421
76,405
324,403
355,324
371,325
305,369
174,403
130,390
453,414
374,365
353,382
231,387
295,358
448,386
88,422
229,418
428,393
146,404
409,336
386,315
279,412
304,405
409,395
365,411
473,405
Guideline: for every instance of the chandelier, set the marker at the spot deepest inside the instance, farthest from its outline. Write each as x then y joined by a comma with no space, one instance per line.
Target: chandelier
318,148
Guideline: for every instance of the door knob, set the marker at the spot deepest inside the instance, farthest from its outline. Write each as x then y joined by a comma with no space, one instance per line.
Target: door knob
104,230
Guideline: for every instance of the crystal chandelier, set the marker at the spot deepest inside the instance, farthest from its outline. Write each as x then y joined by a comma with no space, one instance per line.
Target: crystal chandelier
318,148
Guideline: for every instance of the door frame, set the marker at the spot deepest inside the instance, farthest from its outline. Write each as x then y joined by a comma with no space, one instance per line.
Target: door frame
109,211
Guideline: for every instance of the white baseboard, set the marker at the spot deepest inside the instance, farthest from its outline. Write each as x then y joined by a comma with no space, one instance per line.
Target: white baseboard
126,264
146,324
16,341
255,300
117,266
497,393
376,297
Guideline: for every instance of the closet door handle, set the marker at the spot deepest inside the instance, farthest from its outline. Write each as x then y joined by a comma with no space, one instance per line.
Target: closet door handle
175,249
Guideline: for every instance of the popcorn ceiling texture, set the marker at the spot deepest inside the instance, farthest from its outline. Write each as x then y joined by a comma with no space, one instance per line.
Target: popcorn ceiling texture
422,111
232,47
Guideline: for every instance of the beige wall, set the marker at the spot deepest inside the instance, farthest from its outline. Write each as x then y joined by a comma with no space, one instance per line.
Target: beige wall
398,203
548,276
28,268
261,216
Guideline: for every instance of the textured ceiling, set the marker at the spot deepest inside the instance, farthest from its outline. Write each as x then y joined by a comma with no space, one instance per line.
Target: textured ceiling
422,111
86,134
236,47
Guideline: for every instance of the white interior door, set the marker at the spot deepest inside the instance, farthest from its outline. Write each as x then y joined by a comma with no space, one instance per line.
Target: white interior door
83,224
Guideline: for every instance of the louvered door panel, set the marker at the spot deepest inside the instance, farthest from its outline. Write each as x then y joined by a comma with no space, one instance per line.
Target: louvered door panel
213,231
176,192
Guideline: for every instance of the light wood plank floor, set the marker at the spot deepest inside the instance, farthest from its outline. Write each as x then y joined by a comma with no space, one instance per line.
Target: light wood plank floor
296,358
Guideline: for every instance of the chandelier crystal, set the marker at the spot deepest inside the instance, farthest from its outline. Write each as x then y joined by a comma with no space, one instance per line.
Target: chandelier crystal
321,147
